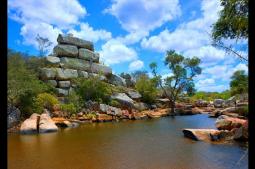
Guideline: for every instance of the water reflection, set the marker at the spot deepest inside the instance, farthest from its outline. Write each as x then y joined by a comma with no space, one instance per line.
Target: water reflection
141,144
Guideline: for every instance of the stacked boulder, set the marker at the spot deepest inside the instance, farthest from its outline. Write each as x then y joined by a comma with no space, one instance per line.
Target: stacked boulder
72,58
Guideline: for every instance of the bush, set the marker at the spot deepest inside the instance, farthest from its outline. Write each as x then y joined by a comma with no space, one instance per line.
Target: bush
68,108
147,88
114,103
45,100
23,84
76,100
94,89
243,111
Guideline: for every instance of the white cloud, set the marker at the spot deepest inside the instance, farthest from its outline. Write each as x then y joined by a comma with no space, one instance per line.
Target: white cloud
88,33
48,18
135,65
114,52
61,13
134,15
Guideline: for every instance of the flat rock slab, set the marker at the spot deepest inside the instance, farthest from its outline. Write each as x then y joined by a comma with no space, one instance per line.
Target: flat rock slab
199,134
66,50
75,41
88,55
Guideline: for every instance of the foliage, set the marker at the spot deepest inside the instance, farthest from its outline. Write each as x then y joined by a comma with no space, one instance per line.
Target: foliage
147,88
210,96
114,103
23,83
76,100
33,63
233,20
239,83
44,100
93,89
183,70
137,74
70,108
232,24
243,111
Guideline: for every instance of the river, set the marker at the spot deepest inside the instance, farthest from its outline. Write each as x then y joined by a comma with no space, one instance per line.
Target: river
140,144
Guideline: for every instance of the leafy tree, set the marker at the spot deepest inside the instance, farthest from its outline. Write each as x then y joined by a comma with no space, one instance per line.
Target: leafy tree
43,44
147,88
23,83
137,74
239,82
183,72
232,24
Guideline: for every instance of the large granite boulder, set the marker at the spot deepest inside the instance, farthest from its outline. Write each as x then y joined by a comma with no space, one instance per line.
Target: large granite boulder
116,80
224,122
123,99
75,41
65,74
219,103
134,94
110,110
141,106
29,126
199,134
64,84
46,124
66,50
52,60
241,134
88,55
79,64
47,73
13,115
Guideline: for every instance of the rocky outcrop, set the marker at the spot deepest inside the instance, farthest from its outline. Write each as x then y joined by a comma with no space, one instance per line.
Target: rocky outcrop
46,124
13,115
116,80
123,99
157,113
110,110
241,134
224,122
30,125
199,134
134,94
72,57
75,41
141,106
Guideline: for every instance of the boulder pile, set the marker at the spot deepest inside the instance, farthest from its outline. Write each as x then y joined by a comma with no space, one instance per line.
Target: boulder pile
72,58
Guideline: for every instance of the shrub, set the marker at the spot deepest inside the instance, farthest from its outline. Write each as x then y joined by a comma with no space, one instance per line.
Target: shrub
45,100
76,100
243,111
114,103
93,89
68,108
23,83
147,88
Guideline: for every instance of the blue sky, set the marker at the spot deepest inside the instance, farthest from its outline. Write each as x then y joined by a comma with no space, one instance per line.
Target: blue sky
130,34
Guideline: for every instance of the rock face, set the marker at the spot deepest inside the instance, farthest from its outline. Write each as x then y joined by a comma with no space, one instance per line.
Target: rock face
218,103
123,99
116,80
13,114
134,94
199,134
72,58
75,41
66,50
141,106
110,110
224,122
46,124
30,125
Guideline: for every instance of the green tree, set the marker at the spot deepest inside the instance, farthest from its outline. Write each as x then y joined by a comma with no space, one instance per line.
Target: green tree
23,83
232,24
147,88
183,71
239,83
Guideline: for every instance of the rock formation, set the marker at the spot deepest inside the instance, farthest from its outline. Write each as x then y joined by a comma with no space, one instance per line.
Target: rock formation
72,58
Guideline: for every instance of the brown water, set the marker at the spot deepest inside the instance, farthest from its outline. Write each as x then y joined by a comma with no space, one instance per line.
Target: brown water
145,144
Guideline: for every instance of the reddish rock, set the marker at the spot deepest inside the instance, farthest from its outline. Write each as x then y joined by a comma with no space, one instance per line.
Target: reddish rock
104,117
224,122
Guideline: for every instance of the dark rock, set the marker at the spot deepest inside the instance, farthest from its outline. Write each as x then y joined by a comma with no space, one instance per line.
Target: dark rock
13,114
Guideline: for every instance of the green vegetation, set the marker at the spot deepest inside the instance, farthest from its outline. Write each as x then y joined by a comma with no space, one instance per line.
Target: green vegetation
68,108
210,96
232,24
93,89
147,88
23,83
183,71
239,83
44,100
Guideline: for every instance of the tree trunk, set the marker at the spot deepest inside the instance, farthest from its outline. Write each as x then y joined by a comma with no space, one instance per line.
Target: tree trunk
172,108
